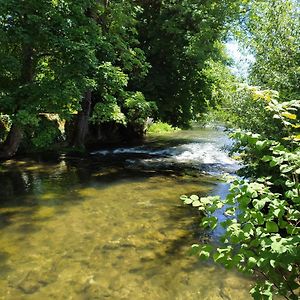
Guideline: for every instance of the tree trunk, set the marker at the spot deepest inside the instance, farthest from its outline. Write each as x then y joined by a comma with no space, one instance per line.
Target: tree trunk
15,135
12,142
82,121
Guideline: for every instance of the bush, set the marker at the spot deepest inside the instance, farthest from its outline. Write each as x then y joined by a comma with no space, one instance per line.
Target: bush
262,229
160,127
138,109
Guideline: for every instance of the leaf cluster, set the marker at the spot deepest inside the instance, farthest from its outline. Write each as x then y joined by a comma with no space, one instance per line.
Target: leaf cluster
262,228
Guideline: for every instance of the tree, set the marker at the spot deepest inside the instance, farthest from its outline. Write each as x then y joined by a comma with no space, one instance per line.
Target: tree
121,63
64,58
178,37
47,54
271,30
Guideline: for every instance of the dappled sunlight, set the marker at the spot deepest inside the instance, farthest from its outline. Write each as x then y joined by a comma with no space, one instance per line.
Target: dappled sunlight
107,231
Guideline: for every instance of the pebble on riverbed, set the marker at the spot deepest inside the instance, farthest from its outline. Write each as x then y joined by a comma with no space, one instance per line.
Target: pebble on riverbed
29,284
33,281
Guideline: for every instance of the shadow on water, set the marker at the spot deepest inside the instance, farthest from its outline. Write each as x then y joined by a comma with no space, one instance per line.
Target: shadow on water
100,227
5,268
28,185
5,218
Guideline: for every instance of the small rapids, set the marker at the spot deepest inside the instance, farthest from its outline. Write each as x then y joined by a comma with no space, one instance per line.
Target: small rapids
207,155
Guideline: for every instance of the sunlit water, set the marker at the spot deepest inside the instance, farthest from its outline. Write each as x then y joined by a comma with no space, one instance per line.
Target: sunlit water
111,226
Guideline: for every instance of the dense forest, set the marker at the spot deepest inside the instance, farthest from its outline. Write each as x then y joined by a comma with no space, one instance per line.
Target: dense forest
77,75
103,67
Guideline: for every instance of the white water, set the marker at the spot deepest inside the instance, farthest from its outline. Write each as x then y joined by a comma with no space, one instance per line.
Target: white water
207,155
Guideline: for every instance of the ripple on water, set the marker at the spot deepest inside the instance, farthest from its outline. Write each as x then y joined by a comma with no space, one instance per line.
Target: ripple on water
105,233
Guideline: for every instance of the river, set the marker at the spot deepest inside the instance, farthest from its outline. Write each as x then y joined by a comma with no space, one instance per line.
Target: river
111,225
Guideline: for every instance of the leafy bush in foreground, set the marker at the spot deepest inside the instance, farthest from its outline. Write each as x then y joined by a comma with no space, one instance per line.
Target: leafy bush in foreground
262,231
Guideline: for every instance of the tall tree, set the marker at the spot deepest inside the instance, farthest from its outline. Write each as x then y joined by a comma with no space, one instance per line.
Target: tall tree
47,53
178,38
271,29
121,64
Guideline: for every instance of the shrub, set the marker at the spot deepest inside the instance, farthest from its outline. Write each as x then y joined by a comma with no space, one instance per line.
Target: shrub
262,229
160,127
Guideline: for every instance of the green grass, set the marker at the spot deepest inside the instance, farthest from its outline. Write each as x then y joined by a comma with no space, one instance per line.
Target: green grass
160,127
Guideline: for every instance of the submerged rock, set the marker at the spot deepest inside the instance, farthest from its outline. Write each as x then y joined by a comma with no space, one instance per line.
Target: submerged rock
148,256
30,283
34,280
95,289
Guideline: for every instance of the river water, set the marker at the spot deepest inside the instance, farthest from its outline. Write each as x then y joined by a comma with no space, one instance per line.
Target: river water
111,225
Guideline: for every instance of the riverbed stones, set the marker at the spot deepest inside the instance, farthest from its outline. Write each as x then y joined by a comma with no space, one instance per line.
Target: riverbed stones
92,289
111,245
148,256
234,287
103,245
30,283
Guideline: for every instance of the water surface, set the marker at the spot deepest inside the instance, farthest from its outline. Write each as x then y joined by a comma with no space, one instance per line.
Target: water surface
111,226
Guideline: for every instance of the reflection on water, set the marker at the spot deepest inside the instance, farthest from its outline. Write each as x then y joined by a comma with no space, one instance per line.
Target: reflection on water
99,228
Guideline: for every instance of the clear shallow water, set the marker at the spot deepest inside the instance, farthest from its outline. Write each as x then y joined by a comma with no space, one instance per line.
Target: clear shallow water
112,226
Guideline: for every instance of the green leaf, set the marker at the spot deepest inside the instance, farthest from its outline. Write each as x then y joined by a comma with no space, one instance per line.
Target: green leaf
286,168
219,205
261,144
267,158
289,115
272,263
195,248
194,197
218,256
188,201
205,251
289,183
271,226
196,203
278,247
277,212
259,204
252,261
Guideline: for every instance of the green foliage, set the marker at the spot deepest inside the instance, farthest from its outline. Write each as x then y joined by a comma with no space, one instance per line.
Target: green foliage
260,112
111,83
107,112
178,38
262,227
119,105
111,80
124,64
219,92
53,52
271,30
5,124
45,56
138,109
161,127
25,118
220,83
45,136
248,110
47,60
